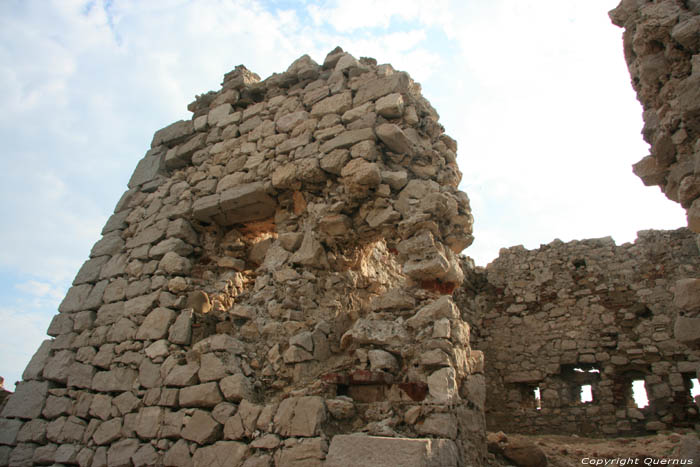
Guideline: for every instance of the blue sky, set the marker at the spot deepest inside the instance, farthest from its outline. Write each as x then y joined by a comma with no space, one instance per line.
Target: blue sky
536,93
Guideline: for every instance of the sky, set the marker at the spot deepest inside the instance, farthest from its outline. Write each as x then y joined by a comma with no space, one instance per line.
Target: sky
536,92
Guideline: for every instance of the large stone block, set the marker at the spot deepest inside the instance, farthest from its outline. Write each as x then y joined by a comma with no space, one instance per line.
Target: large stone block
27,401
373,451
221,454
156,324
245,203
300,416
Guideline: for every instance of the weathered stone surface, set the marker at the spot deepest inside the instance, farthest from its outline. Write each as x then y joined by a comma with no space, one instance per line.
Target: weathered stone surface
377,332
156,324
201,428
687,294
245,203
181,330
389,452
236,387
300,416
202,395
119,379
27,401
178,455
36,365
443,307
119,453
9,429
347,139
221,454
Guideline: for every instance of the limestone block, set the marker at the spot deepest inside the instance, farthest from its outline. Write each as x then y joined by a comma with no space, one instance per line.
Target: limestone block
443,307
75,298
158,349
178,455
220,343
305,453
170,244
60,324
376,332
338,104
43,455
101,406
156,324
117,380
236,387
110,244
687,330
390,106
442,385
181,329
172,134
300,416
379,87
146,455
9,429
122,330
119,453
245,203
443,425
347,139
395,139
292,143
687,294
311,253
36,365
382,360
174,264
201,428
148,168
149,374
389,452
221,454
286,123
202,395
80,375
27,401
182,375
149,422
361,172
90,270
108,432
126,402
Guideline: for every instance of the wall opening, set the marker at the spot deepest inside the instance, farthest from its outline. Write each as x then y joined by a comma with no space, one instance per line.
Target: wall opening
694,388
639,393
538,398
586,394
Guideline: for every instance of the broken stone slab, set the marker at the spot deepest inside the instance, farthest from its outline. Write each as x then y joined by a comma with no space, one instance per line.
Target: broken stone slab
390,106
687,294
236,387
36,365
375,451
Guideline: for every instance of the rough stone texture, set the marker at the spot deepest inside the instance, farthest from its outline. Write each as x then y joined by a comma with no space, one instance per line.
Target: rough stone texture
585,313
279,269
661,48
389,452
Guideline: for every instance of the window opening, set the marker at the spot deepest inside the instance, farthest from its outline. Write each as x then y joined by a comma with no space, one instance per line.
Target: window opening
586,393
590,370
695,389
639,393
538,398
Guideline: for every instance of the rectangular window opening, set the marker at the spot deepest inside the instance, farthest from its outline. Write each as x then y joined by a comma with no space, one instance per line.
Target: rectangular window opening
538,398
639,393
586,393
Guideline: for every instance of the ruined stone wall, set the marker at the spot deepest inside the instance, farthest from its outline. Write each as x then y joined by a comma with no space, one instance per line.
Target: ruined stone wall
662,50
585,313
277,277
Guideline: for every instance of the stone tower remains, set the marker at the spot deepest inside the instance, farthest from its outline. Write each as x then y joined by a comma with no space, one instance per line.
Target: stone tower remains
274,288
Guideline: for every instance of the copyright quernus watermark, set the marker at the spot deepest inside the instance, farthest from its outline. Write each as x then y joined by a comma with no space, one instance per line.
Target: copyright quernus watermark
623,461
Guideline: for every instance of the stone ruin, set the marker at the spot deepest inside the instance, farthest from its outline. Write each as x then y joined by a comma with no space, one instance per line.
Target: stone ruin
281,285
277,279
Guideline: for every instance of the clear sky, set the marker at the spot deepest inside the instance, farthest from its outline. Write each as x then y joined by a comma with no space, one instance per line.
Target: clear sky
536,92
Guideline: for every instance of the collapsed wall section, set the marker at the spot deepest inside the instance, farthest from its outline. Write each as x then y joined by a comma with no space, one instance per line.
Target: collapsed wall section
277,277
570,328
662,50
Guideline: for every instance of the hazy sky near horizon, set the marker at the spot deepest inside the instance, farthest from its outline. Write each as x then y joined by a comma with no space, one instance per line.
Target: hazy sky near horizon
536,92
